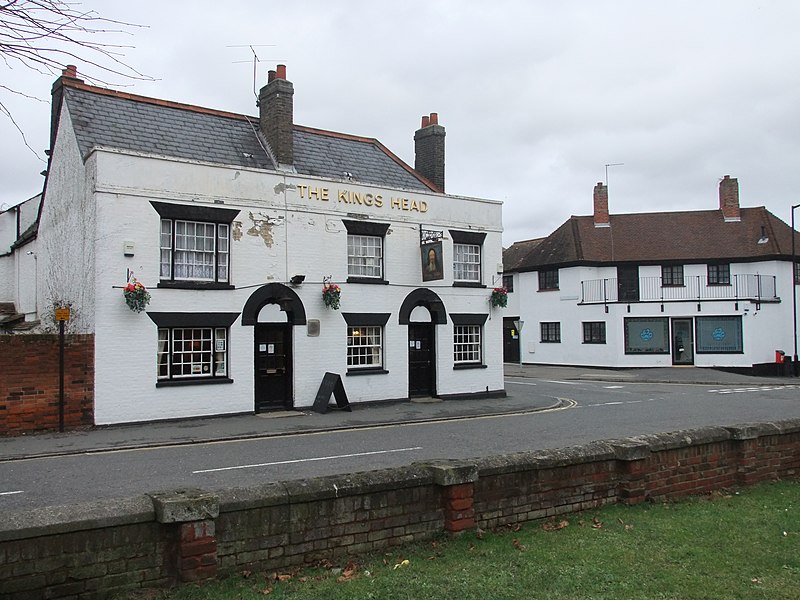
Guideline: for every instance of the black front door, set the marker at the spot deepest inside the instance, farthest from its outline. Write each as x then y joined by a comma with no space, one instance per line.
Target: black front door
510,341
421,360
273,368
628,283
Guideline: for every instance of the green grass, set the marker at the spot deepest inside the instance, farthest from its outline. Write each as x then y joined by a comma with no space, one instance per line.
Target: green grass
742,544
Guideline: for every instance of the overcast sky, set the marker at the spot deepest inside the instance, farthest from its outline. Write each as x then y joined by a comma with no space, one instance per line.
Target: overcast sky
536,96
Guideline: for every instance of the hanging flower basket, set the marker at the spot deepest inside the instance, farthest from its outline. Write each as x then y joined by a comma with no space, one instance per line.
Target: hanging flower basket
136,296
331,294
499,297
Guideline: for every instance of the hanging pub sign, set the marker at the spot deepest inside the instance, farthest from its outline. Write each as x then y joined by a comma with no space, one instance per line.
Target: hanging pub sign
430,243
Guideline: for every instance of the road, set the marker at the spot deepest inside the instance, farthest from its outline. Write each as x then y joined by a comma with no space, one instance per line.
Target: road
590,411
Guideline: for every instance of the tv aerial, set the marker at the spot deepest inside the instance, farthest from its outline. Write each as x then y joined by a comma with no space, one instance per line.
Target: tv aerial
255,61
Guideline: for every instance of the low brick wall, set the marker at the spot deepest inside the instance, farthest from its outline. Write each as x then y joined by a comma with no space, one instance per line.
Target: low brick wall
104,548
29,379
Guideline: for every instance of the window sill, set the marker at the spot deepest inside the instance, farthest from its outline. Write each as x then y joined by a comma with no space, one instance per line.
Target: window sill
548,290
595,343
470,284
192,381
719,284
549,341
468,366
673,285
195,285
373,280
375,371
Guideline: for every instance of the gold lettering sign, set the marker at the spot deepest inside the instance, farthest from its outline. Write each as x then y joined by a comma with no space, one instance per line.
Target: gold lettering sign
361,198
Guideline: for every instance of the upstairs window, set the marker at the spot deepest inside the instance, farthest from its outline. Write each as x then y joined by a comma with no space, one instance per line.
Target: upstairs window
797,273
467,262
672,275
194,251
365,251
467,257
194,244
548,280
364,256
508,283
719,274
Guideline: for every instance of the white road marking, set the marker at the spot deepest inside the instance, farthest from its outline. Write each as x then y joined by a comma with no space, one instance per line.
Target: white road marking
562,382
302,460
753,389
520,383
615,403
613,387
11,493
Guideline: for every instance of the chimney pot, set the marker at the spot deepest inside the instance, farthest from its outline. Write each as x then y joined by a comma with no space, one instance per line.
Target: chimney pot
429,150
70,71
270,76
281,74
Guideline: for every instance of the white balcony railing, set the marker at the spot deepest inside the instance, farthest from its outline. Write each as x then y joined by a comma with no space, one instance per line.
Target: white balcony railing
757,288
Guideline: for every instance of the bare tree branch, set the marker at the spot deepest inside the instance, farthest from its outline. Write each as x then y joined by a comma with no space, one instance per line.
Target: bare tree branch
46,35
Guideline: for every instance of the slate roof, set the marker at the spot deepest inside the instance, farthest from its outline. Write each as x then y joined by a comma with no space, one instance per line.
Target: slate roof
118,120
665,237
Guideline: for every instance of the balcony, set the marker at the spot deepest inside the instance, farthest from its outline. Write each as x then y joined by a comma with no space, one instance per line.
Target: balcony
754,288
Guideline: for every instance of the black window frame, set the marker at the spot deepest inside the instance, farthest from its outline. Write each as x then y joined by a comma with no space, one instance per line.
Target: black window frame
719,273
548,280
594,332
550,332
508,283
198,214
671,274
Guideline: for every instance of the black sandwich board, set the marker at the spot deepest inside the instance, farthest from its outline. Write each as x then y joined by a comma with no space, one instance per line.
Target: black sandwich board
331,384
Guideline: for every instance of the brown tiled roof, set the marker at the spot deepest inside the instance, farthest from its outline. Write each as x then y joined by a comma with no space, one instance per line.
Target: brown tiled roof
517,252
685,237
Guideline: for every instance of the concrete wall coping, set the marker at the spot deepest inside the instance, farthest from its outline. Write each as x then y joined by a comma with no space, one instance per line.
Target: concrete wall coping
52,520
545,459
683,438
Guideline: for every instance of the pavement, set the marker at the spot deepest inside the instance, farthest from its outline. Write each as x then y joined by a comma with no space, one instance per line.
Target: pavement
247,426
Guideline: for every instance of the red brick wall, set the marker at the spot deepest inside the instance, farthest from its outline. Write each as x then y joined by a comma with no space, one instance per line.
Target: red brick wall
29,383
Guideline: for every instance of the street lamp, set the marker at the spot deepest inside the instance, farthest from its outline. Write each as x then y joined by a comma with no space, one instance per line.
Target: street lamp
794,293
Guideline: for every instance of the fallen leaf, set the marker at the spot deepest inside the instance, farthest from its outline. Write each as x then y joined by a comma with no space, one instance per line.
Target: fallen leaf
627,527
621,522
553,526
282,577
597,523
350,570
479,533
266,591
246,574
402,563
519,545
472,546
303,579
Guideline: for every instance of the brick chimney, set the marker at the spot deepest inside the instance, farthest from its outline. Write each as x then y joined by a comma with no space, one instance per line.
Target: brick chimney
69,73
276,115
429,150
729,199
601,218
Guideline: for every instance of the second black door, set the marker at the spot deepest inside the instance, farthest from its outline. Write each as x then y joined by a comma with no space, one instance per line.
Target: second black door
421,360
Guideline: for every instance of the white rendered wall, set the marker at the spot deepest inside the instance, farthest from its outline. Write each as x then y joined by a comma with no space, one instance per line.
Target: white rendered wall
66,237
279,232
765,328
